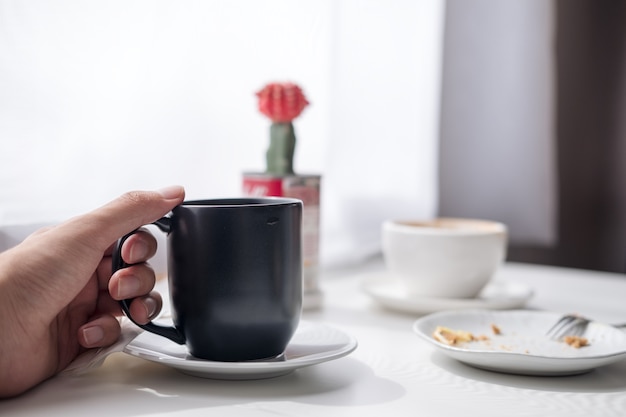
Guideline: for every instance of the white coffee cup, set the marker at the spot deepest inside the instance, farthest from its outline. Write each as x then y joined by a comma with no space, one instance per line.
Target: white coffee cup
444,257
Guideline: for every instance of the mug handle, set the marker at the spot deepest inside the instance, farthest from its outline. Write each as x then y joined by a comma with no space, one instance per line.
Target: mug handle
170,332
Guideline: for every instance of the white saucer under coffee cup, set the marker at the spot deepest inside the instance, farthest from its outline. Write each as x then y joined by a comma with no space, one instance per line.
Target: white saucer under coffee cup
444,257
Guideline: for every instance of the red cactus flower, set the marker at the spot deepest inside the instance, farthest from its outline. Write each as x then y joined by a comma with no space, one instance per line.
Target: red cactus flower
281,102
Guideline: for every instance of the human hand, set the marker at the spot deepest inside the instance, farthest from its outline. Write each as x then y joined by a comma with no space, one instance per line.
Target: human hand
57,294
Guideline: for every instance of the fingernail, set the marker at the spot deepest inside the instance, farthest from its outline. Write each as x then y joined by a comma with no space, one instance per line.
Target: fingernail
151,307
128,287
138,252
171,192
93,335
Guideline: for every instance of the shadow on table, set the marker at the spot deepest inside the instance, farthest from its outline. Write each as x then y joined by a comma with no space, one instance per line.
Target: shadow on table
610,378
136,386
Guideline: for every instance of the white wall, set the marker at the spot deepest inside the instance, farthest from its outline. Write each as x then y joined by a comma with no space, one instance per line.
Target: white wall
97,98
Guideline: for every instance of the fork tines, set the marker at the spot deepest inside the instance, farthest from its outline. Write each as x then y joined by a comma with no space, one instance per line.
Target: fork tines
568,325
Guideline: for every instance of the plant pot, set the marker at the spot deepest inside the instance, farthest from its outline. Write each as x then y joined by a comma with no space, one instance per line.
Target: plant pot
307,189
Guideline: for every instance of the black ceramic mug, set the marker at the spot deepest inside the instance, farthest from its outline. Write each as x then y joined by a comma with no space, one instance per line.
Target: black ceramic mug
234,275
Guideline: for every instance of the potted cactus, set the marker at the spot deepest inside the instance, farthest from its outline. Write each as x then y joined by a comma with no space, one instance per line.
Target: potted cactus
282,103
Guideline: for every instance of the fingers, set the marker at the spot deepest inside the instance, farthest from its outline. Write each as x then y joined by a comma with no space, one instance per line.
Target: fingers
105,330
144,309
138,248
99,229
137,282
128,212
134,281
102,331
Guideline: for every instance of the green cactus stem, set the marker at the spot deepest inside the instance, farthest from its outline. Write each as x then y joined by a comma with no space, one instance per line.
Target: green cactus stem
279,155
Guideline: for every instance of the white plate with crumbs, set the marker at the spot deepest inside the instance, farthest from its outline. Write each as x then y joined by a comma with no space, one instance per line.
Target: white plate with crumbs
515,342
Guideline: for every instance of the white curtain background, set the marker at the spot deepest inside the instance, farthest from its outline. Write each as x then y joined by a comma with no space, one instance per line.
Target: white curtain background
101,97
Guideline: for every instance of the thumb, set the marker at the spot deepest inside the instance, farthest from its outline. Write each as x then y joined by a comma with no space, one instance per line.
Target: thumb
71,251
126,213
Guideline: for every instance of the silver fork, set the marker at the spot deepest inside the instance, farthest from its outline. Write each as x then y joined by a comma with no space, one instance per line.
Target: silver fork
572,325
568,325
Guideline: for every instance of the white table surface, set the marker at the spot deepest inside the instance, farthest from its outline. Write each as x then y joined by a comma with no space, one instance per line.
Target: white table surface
392,372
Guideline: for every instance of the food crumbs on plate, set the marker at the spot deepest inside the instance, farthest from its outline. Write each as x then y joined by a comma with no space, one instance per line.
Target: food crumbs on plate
455,337
576,341
452,337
